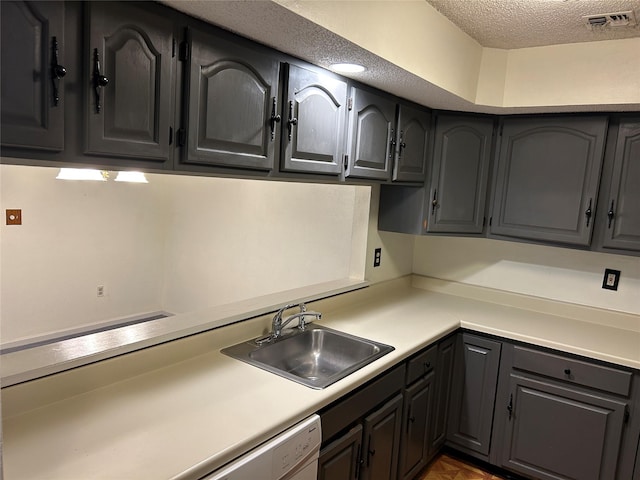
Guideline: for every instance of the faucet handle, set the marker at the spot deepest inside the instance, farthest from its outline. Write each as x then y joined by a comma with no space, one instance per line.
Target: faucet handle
303,307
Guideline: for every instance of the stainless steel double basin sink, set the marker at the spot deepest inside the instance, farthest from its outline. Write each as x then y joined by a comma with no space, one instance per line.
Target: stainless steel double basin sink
316,356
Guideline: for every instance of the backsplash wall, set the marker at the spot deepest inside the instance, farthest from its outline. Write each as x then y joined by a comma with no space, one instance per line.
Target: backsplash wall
176,244
562,274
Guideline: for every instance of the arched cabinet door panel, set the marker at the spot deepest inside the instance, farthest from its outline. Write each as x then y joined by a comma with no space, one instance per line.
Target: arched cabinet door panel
372,134
547,178
130,82
412,147
313,122
32,101
462,154
622,206
231,98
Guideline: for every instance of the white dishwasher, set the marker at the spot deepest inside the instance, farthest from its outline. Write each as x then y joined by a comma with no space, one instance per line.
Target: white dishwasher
290,455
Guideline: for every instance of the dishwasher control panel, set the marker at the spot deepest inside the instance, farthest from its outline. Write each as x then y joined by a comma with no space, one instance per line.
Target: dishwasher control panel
286,454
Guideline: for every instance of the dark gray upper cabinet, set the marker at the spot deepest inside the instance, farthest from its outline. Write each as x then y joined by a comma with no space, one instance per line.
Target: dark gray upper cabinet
412,147
473,394
372,130
32,103
232,105
462,155
313,118
130,82
547,178
620,209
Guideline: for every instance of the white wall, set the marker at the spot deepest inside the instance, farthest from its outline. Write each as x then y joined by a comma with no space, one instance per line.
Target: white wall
549,272
397,248
177,244
417,38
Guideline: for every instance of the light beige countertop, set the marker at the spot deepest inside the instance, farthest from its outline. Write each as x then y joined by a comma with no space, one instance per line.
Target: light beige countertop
182,409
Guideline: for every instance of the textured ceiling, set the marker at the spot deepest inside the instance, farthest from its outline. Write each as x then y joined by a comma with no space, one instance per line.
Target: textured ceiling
278,27
512,24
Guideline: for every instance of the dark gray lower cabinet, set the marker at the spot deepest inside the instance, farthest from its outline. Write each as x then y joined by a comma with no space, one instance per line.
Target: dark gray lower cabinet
442,394
417,420
341,458
473,394
361,433
368,451
382,441
559,417
555,432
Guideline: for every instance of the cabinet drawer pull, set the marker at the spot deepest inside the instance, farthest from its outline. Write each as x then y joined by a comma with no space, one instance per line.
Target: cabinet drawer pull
57,71
427,365
567,371
99,80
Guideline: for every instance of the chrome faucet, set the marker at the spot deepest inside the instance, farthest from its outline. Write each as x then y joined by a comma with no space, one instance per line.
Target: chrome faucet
278,324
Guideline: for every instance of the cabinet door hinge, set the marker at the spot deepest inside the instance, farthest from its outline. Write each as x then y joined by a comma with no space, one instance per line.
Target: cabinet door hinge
350,104
490,220
184,51
181,137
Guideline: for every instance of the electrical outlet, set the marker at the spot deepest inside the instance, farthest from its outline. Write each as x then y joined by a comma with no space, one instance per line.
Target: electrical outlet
100,290
377,254
611,279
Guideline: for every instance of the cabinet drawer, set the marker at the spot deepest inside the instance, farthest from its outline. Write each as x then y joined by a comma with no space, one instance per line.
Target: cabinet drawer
421,364
571,370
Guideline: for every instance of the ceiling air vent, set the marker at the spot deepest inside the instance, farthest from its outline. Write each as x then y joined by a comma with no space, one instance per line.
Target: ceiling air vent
613,20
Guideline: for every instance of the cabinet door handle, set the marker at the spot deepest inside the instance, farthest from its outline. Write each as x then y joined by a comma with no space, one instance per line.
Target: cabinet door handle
434,202
587,213
359,462
275,118
510,406
392,143
370,452
567,371
57,71
291,121
611,214
401,144
99,80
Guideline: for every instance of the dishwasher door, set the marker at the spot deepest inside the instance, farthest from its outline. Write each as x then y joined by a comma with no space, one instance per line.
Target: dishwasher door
290,455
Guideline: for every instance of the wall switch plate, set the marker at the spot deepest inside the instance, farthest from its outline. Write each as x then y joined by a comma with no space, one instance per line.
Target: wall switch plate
377,254
611,279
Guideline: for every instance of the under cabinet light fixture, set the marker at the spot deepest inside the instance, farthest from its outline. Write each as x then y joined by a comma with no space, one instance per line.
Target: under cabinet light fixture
347,67
100,175
131,177
82,174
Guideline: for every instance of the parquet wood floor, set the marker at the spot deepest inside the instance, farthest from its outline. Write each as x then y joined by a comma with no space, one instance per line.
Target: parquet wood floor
448,468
